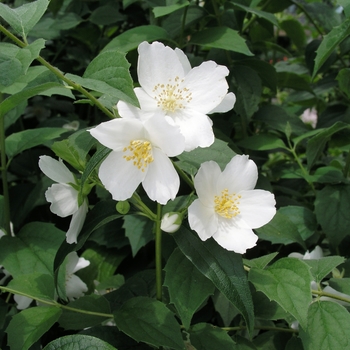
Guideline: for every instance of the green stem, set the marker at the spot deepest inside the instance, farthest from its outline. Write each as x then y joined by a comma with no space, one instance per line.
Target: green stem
54,70
158,254
183,175
137,202
321,293
6,195
265,328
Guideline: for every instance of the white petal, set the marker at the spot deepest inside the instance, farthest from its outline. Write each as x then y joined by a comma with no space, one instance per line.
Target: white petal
226,104
117,133
127,110
75,287
296,255
157,64
165,136
55,170
207,85
197,129
183,59
147,102
22,301
76,223
331,290
240,174
63,199
162,181
120,177
202,219
257,207
317,253
234,239
205,182
74,263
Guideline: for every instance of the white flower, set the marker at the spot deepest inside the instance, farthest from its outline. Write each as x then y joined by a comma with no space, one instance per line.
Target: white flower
228,207
75,287
183,95
315,254
140,155
171,222
63,196
309,116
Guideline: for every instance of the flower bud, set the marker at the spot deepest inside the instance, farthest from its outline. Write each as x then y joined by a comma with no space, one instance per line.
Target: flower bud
171,222
123,207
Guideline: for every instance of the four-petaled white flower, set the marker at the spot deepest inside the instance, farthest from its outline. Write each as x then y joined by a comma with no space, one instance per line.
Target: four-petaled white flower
183,95
140,155
63,195
228,207
75,287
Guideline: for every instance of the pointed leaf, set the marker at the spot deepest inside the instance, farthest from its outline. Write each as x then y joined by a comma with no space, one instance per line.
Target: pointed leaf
262,142
30,325
149,321
223,268
78,342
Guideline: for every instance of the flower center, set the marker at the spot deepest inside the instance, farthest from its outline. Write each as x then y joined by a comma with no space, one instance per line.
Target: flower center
140,152
227,205
170,97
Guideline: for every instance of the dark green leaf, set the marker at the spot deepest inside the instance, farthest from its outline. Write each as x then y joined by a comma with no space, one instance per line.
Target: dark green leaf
343,78
293,81
30,325
287,282
160,11
295,31
262,142
222,267
78,342
188,288
260,262
149,321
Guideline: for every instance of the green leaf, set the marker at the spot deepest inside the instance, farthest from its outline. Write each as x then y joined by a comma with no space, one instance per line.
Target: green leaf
327,327
320,268
248,89
139,231
22,19
34,285
222,267
207,337
343,78
317,143
329,43
287,282
267,309
188,288
293,81
219,151
78,342
160,11
260,262
221,38
20,141
130,39
328,174
149,321
30,325
106,14
295,31
111,68
332,207
281,230
262,142
91,304
341,285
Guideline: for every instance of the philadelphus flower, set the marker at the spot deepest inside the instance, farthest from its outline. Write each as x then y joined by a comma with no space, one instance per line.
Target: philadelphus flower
63,196
182,94
228,207
140,155
75,287
171,222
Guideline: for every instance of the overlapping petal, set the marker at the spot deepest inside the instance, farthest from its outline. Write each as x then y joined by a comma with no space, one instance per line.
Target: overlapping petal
55,170
76,223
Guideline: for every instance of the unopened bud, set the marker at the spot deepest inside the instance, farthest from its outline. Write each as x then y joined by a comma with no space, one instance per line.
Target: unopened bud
123,207
171,222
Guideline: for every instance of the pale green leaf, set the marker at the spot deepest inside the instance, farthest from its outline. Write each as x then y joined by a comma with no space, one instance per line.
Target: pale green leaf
78,342
341,285
343,78
160,11
262,142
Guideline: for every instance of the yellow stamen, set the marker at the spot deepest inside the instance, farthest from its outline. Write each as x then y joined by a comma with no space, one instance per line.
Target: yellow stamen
140,152
227,205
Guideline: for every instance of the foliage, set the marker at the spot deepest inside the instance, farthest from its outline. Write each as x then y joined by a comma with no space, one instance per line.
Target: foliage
64,66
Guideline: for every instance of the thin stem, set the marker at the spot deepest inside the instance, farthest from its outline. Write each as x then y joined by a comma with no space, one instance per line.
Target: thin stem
158,257
183,175
265,328
6,195
321,293
137,202
54,70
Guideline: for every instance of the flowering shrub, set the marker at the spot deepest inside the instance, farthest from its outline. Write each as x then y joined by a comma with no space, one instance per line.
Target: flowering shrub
174,175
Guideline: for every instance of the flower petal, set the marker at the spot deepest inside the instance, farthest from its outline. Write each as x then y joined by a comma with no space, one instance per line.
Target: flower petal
75,287
234,239
117,133
186,65
22,301
167,137
226,104
120,177
207,85
205,182
76,223
240,174
202,219
63,199
317,253
74,263
197,129
257,207
127,110
162,181
157,64
147,102
55,170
